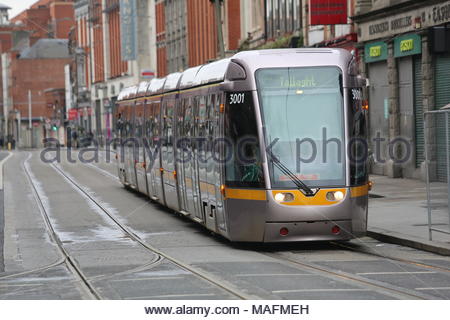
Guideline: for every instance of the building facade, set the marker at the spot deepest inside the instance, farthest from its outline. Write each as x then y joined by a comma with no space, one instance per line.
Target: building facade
113,46
34,51
308,23
407,59
194,32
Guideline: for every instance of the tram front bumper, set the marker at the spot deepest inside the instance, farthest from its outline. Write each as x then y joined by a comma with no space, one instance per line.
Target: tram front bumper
308,231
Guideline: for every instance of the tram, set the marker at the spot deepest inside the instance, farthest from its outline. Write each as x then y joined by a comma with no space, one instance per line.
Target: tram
265,146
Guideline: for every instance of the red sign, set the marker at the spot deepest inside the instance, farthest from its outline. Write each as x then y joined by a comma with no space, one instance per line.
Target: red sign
73,114
326,12
148,74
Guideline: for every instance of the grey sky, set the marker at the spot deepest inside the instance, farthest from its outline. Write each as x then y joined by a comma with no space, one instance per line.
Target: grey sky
17,6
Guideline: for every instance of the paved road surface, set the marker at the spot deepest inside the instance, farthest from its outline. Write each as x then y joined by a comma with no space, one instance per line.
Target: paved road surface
2,221
189,263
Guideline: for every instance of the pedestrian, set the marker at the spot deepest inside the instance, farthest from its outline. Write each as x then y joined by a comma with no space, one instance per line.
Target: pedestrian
74,139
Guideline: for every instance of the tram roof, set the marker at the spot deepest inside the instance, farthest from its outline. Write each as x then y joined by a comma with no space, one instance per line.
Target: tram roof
188,77
172,81
142,88
212,72
126,93
253,60
132,93
298,57
156,86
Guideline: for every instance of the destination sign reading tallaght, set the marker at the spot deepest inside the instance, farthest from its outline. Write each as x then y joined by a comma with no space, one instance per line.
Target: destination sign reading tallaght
292,82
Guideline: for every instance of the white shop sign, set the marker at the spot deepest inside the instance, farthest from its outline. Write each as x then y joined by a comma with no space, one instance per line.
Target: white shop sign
405,22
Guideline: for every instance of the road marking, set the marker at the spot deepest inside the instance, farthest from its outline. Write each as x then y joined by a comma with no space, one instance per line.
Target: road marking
102,171
1,169
151,278
317,290
438,288
394,273
274,274
21,285
173,296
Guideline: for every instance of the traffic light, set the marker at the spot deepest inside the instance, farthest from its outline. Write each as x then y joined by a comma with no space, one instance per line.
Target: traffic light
54,128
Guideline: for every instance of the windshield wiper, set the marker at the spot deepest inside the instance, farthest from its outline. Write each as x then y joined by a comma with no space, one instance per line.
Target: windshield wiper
299,183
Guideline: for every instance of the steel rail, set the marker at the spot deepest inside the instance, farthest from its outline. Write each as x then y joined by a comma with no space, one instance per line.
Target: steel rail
68,259
375,285
40,269
231,289
370,253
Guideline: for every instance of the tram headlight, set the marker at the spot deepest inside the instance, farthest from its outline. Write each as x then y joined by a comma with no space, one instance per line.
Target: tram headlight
284,197
335,196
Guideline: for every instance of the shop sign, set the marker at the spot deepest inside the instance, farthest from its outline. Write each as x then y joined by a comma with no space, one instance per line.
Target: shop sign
148,74
375,51
73,114
407,45
328,12
420,18
128,26
106,103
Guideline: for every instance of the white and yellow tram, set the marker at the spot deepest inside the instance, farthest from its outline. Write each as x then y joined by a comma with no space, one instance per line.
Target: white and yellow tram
265,146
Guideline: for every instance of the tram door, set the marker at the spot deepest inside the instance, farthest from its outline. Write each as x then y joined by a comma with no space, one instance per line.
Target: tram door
202,161
168,155
190,161
216,175
157,144
181,156
148,147
208,179
130,174
139,135
121,133
151,151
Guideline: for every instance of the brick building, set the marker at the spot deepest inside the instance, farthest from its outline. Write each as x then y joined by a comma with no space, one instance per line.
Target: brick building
34,50
35,70
187,34
47,19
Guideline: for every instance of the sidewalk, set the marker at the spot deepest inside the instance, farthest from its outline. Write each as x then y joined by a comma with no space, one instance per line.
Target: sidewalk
398,213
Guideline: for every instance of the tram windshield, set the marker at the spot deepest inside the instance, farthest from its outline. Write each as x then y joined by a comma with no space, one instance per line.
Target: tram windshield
303,115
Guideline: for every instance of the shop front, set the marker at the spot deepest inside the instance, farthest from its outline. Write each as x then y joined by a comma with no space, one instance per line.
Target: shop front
408,64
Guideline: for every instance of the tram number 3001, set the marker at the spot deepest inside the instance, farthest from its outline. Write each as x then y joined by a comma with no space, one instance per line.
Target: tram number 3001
237,98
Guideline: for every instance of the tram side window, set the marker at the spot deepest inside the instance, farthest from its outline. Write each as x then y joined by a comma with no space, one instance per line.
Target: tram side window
210,133
358,138
156,123
127,124
120,128
138,125
188,131
202,117
242,155
148,123
168,134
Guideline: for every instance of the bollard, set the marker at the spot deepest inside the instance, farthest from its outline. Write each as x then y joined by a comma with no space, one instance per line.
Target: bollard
9,146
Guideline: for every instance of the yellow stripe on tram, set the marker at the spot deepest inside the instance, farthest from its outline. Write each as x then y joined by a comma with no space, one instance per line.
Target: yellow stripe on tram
359,191
245,194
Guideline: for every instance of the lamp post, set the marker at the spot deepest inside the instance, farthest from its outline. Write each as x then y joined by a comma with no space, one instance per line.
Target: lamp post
217,9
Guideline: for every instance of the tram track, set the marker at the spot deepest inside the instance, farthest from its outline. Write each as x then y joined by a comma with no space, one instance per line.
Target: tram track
68,260
376,285
381,287
216,282
369,252
35,270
